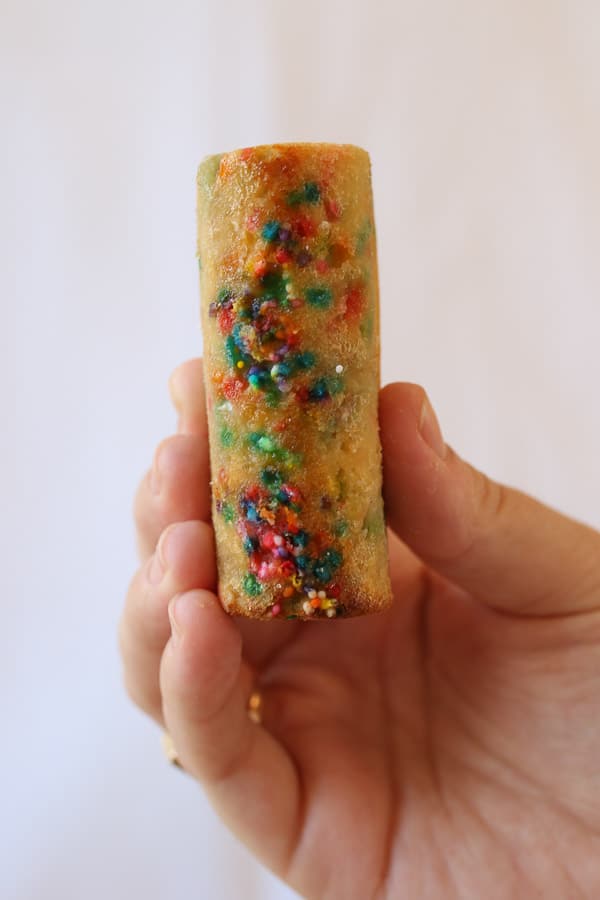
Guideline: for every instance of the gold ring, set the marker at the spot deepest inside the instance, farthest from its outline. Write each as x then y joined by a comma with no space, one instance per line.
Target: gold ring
255,707
254,714
169,750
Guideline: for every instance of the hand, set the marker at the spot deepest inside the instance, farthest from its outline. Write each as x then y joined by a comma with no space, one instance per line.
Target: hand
448,748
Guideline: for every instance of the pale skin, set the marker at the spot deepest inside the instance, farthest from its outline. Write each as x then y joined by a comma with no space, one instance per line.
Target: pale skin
447,748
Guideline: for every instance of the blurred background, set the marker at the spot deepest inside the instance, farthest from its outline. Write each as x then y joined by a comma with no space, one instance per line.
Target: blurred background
483,122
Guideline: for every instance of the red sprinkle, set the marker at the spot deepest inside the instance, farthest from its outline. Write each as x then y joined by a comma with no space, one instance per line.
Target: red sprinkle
332,208
321,266
253,220
225,320
234,387
302,393
355,301
334,590
282,256
304,227
260,268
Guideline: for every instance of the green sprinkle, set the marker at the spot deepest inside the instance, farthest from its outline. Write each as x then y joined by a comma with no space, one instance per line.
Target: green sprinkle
288,458
272,398
304,360
199,264
319,296
333,557
262,441
322,571
225,293
271,477
266,444
340,528
252,585
312,194
374,522
227,437
363,236
308,193
232,354
274,287
295,198
228,512
367,325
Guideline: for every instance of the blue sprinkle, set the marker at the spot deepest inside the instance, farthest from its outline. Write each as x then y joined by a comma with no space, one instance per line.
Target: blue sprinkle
300,539
319,296
270,230
333,557
304,360
319,390
312,194
322,572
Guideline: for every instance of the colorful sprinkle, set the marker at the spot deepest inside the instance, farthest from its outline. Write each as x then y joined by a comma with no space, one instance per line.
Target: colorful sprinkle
319,296
251,584
270,230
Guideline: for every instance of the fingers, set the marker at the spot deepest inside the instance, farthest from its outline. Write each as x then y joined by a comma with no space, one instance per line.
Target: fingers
500,544
184,559
176,489
248,776
186,386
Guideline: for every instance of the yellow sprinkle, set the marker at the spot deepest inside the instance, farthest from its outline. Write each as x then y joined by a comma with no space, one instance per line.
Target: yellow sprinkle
240,364
296,581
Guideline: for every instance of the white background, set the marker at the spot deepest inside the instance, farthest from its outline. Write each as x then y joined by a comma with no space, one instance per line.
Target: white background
483,121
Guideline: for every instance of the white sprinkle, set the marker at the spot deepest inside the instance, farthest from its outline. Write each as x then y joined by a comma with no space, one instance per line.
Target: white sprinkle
278,540
330,613
307,608
322,595
312,593
339,369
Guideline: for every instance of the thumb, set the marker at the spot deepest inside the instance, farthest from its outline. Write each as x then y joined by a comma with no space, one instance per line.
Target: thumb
501,545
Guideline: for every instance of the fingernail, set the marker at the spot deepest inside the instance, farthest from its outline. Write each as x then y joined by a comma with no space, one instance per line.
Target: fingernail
174,620
158,565
430,431
183,609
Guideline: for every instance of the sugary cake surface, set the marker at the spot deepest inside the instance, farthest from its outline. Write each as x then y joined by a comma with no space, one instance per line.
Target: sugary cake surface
286,245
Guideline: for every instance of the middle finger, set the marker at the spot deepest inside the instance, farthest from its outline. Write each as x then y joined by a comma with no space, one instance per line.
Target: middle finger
175,489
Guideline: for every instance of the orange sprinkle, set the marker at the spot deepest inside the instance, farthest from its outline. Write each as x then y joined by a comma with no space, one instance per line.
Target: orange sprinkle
315,602
288,591
260,268
226,166
217,377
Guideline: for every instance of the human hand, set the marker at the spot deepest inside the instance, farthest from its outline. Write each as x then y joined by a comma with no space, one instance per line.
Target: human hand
447,748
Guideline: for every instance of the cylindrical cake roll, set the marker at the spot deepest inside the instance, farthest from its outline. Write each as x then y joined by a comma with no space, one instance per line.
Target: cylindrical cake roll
286,245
